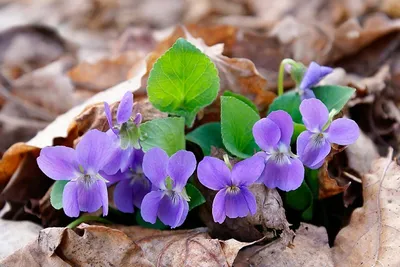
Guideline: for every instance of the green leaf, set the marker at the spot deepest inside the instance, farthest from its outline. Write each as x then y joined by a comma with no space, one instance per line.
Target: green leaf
196,198
237,120
311,177
333,96
57,194
242,98
307,215
165,133
206,136
299,199
288,102
183,81
157,225
298,129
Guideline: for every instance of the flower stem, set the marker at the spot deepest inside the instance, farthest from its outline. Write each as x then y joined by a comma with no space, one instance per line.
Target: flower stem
227,161
83,219
282,73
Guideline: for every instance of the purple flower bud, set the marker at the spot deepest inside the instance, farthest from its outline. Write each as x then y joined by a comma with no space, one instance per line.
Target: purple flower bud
314,74
168,199
282,168
87,190
233,199
314,144
124,133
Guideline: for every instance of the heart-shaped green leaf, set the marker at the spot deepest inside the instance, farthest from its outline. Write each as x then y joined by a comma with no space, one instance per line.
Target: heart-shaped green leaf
206,136
288,102
56,194
183,81
165,133
237,120
333,96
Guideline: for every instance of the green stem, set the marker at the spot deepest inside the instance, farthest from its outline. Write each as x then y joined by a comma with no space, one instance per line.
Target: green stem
281,74
83,219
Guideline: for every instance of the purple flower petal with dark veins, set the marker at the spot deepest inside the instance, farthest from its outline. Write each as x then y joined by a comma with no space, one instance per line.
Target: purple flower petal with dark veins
87,190
168,199
314,144
282,169
234,198
125,107
314,74
109,117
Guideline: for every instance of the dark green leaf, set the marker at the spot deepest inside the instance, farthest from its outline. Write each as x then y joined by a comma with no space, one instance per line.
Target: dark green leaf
307,215
166,133
196,198
183,81
299,199
242,98
298,129
333,96
56,194
157,225
237,120
290,103
206,136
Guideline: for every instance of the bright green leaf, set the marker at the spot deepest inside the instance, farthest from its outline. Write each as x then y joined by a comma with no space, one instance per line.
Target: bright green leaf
298,129
165,133
299,199
288,102
196,198
183,81
57,194
333,96
157,225
206,136
242,98
237,120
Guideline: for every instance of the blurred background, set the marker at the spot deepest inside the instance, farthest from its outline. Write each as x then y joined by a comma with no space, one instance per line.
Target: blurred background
56,54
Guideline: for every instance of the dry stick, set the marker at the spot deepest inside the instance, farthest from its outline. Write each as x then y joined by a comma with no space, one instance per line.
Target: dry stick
390,161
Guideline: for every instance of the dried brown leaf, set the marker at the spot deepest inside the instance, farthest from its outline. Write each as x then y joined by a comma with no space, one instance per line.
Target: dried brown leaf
184,247
25,48
92,246
104,73
372,237
310,248
125,246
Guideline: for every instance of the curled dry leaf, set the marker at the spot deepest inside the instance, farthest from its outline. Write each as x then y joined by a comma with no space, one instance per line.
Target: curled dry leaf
352,36
25,48
310,248
372,237
125,246
266,223
329,186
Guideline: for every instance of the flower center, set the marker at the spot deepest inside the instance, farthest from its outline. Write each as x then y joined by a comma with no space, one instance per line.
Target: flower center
318,139
280,155
233,189
88,179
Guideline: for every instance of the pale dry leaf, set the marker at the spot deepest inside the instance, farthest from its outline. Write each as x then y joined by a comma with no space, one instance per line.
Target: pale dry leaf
310,248
372,237
184,247
90,246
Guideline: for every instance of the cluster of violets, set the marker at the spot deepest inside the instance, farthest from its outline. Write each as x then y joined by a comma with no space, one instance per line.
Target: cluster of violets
155,182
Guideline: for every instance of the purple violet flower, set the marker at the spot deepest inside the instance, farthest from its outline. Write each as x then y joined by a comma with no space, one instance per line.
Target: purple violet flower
131,186
314,74
124,133
282,168
87,190
168,199
314,144
233,199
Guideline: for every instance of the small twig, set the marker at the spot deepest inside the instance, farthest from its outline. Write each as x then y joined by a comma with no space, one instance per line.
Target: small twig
352,177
